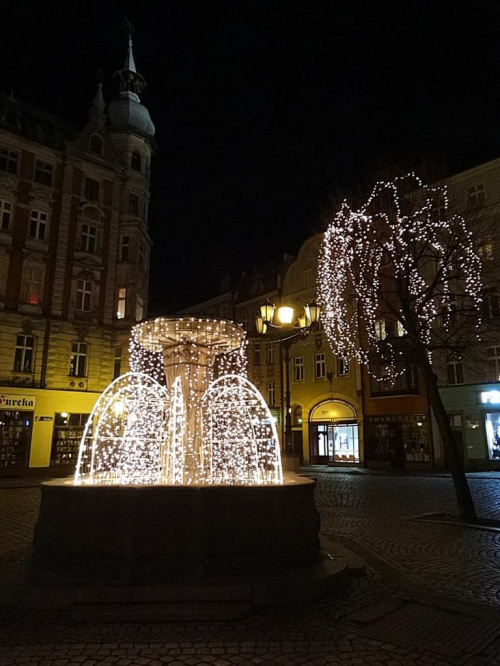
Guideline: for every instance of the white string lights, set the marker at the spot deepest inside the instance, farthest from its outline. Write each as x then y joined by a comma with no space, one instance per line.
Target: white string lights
400,261
193,431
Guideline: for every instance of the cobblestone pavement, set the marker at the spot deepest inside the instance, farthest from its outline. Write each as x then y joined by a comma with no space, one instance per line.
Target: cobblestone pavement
430,596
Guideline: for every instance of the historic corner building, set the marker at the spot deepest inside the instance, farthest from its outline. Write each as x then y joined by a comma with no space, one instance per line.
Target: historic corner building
74,262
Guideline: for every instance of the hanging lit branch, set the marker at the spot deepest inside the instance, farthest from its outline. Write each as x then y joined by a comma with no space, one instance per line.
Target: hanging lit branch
403,254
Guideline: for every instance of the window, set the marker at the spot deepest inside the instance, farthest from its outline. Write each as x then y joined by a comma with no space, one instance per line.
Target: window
244,321
256,354
124,248
83,295
271,394
5,213
405,380
95,144
490,305
23,357
78,362
438,211
117,363
380,331
307,279
493,356
38,225
454,369
342,367
223,311
91,191
449,310
89,236
34,286
43,173
122,302
319,366
270,353
476,196
139,307
133,204
485,250
8,160
135,161
298,368
142,257
297,416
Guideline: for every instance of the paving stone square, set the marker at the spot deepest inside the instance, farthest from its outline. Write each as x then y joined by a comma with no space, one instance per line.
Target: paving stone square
431,594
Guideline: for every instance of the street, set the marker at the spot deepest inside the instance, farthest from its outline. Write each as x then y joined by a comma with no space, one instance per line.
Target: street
431,594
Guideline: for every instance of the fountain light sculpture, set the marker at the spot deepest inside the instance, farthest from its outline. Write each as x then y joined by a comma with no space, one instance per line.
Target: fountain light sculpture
196,430
181,485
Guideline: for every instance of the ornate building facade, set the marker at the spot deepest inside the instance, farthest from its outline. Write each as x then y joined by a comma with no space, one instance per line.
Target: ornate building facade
74,263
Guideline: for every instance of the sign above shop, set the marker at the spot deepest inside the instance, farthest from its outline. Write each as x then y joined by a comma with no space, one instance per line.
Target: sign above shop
401,418
490,397
44,418
16,401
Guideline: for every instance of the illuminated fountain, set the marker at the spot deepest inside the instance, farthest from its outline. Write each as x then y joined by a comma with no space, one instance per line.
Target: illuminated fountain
196,430
179,483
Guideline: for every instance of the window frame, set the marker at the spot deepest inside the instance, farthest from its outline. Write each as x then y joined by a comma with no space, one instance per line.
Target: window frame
44,172
88,240
298,369
23,350
75,370
6,210
39,225
8,154
91,189
320,364
84,295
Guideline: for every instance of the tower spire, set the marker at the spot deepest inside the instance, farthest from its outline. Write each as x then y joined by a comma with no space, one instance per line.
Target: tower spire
129,60
128,79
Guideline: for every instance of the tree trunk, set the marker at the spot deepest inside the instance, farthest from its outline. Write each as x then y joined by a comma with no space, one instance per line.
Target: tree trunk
465,503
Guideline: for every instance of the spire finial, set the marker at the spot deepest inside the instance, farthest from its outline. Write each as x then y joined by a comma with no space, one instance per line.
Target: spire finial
129,80
129,60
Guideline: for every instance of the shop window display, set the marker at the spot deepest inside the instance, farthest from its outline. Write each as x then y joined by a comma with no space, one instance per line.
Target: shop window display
492,427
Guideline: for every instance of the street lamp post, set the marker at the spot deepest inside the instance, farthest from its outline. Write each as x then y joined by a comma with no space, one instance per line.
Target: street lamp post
285,333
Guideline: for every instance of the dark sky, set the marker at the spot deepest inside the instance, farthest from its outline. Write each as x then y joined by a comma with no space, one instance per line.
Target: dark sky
264,109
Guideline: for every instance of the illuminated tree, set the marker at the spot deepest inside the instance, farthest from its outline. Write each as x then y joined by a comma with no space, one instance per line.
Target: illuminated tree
399,284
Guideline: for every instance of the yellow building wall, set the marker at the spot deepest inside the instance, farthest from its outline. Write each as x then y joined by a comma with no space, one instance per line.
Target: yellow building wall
47,404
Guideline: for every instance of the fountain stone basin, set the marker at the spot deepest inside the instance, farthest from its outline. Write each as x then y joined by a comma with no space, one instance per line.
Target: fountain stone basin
142,534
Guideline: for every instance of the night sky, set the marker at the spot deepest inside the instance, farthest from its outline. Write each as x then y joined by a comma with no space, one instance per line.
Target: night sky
265,110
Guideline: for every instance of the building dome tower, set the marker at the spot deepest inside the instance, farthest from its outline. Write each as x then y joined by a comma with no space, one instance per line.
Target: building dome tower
126,111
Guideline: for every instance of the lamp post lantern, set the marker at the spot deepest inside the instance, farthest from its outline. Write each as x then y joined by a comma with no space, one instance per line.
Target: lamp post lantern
285,334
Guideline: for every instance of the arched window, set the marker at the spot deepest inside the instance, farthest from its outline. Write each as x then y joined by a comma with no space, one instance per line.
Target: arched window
95,144
297,416
135,162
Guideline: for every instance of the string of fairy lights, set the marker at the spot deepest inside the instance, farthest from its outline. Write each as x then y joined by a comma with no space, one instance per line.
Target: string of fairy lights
185,414
404,257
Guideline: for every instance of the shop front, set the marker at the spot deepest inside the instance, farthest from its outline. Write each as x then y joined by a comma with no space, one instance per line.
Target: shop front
333,434
42,428
397,441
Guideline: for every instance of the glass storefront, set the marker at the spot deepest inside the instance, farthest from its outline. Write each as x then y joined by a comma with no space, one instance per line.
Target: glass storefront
333,434
397,440
68,431
15,438
492,428
336,443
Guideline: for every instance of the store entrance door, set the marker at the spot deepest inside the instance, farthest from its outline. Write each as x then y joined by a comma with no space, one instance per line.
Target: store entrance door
334,443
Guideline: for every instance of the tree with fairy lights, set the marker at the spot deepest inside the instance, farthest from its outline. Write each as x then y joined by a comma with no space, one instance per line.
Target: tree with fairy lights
399,285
